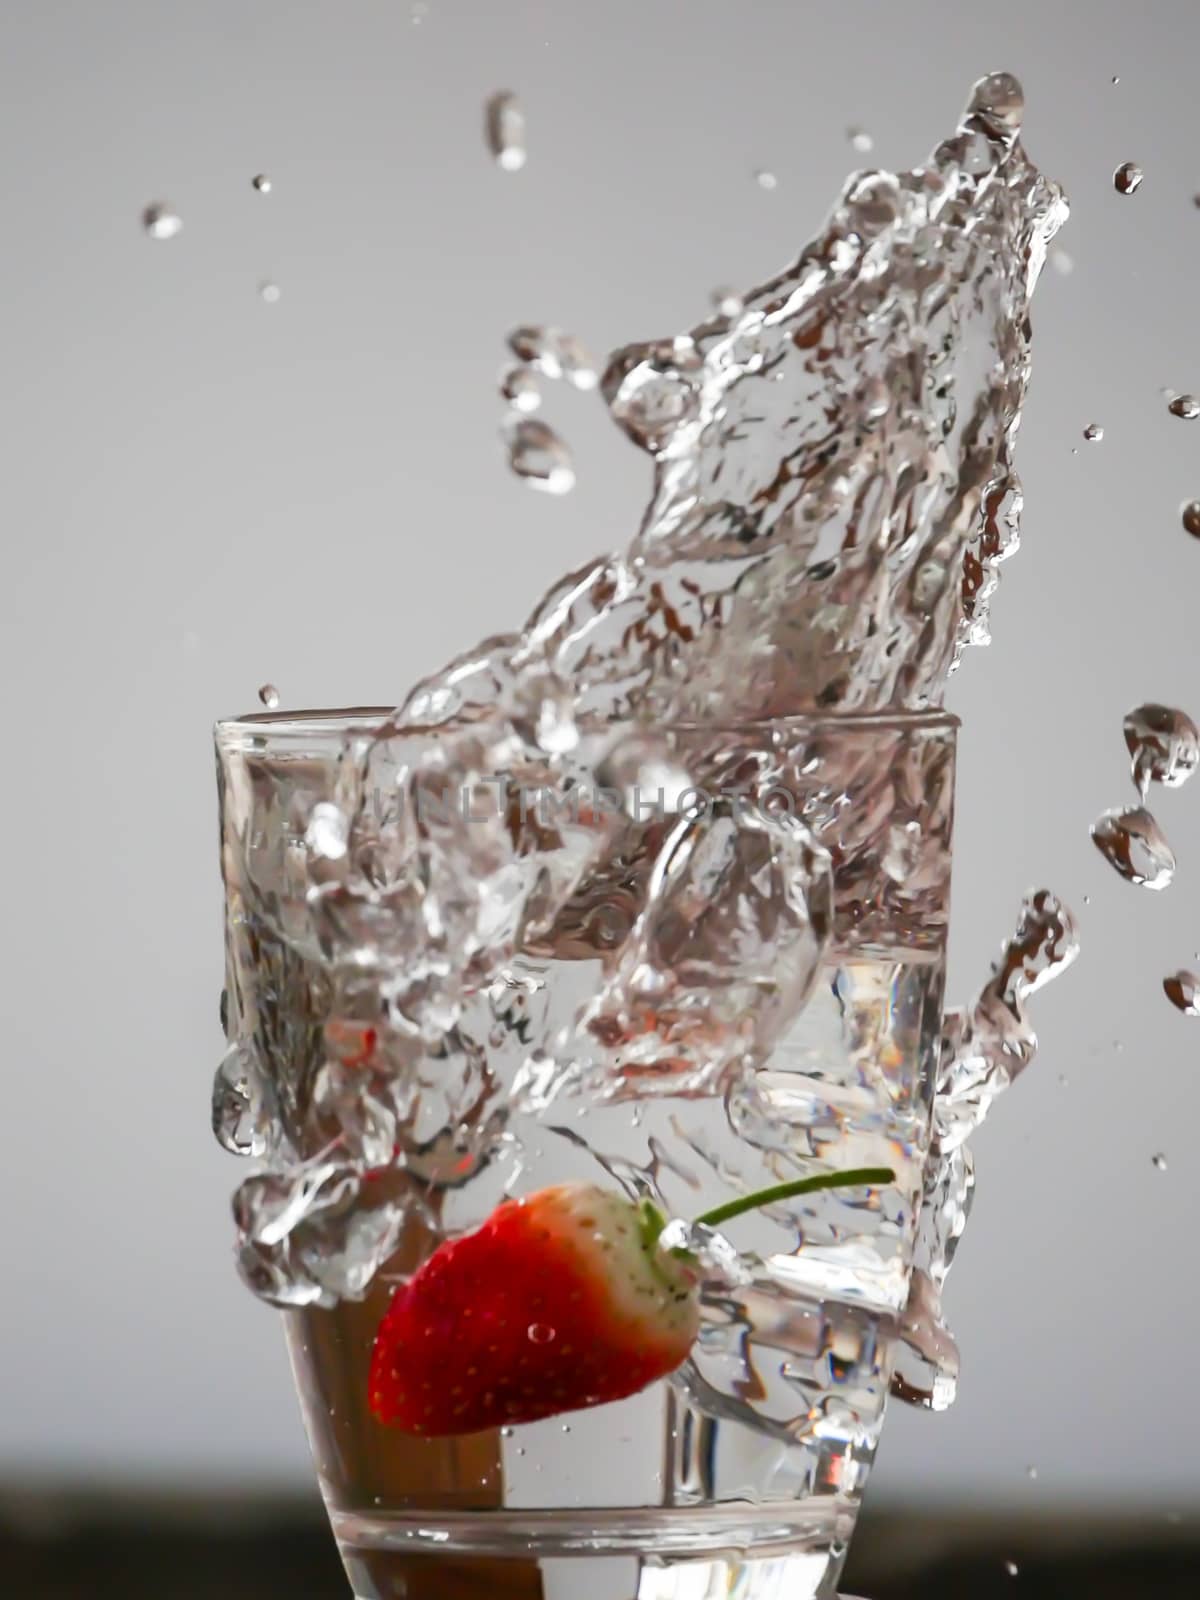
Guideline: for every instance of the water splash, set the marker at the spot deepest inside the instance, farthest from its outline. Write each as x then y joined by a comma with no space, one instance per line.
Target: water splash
833,493
1132,842
984,1049
1163,744
504,127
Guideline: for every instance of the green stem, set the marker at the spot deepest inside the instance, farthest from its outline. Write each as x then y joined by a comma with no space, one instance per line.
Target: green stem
787,1191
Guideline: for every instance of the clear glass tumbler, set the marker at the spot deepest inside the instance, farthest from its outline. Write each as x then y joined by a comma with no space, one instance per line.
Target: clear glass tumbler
742,1472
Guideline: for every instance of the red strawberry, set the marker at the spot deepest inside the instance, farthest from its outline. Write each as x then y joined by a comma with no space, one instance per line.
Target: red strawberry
560,1301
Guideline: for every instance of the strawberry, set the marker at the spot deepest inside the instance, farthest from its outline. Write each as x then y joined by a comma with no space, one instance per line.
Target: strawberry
561,1300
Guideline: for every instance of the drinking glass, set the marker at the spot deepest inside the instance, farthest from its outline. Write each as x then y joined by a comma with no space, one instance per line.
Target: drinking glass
742,1473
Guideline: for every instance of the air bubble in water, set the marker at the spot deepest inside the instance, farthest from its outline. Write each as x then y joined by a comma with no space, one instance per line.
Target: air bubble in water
1133,843
1093,433
1184,405
537,454
1127,178
1183,991
269,695
519,387
727,301
1163,744
505,128
269,292
328,831
765,179
261,183
1189,515
860,140
1159,1162
160,222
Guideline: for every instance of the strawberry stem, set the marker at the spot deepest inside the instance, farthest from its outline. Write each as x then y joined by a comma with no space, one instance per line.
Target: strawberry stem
787,1191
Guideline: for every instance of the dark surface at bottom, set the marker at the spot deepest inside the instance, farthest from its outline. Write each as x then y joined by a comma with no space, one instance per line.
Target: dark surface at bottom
70,1548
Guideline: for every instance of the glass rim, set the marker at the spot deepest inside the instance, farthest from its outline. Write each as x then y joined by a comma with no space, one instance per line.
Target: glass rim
310,723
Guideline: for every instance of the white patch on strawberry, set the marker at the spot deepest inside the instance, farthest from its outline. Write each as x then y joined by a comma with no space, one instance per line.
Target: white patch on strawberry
647,1288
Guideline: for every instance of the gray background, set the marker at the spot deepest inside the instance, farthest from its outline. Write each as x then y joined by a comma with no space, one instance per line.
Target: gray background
201,491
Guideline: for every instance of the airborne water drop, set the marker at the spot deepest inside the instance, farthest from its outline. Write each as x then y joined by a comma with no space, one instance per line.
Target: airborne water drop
504,123
537,454
160,222
1127,178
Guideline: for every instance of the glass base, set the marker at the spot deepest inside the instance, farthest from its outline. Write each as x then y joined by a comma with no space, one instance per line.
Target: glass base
559,1556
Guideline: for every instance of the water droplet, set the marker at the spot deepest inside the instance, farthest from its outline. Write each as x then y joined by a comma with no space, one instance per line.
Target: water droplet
1186,406
1012,1569
1093,433
999,102
1133,843
1183,991
765,179
1159,1162
1189,515
269,292
554,354
328,831
860,140
269,695
566,1427
537,454
1063,1083
507,1432
1163,744
728,302
1116,77
519,387
1031,1471
1087,899
261,183
1062,263
505,128
1127,178
160,222
539,1333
